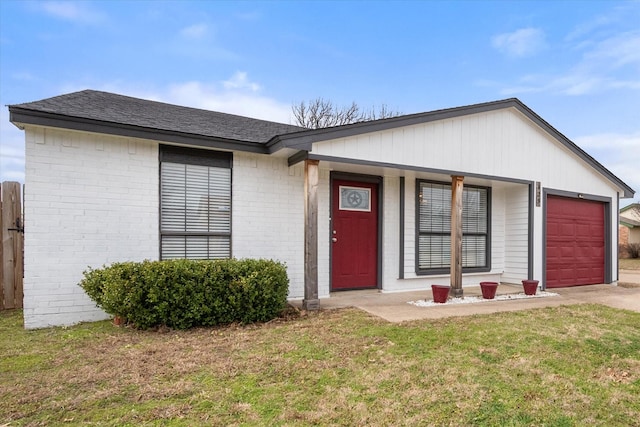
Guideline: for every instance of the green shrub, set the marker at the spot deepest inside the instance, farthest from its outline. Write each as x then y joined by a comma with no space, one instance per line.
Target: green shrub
185,293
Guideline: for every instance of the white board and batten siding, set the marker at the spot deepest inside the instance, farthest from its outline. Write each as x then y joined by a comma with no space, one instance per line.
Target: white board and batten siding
507,264
516,234
501,143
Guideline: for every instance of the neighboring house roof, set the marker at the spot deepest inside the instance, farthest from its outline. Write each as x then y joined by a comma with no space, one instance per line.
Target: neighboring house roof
630,215
104,112
631,211
92,110
629,222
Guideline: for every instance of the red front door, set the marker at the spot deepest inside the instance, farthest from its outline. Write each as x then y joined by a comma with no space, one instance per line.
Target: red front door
354,235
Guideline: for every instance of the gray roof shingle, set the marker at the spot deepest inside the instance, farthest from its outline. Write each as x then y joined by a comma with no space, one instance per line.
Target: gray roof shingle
96,111
119,109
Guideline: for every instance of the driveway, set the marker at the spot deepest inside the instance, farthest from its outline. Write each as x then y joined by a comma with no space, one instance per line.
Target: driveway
629,277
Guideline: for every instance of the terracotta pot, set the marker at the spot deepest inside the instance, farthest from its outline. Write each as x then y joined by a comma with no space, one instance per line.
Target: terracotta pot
530,287
489,289
440,293
118,321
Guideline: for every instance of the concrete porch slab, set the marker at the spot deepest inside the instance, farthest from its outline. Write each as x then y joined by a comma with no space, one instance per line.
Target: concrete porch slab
395,307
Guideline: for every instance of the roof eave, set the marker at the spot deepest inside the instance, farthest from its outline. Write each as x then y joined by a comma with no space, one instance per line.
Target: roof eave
20,116
304,140
627,191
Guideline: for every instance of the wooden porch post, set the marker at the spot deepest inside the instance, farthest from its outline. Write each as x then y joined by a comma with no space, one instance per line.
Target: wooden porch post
311,301
456,236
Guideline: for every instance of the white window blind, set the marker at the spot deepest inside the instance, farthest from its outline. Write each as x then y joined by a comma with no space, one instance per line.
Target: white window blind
195,211
434,227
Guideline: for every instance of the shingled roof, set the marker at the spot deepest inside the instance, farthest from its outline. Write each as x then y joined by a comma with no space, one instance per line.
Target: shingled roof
109,113
109,108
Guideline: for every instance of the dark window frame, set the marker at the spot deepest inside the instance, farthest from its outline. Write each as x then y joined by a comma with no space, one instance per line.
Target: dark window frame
194,157
446,270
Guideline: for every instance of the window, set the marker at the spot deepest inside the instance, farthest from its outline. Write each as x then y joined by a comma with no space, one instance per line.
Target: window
195,203
433,245
355,199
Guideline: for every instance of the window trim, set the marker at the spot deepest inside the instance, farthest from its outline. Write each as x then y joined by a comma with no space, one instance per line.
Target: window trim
435,271
197,157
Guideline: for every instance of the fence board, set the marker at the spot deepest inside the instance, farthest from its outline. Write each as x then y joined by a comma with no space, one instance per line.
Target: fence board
11,254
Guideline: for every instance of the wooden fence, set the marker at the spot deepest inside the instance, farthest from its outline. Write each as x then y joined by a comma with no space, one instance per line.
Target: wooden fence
11,247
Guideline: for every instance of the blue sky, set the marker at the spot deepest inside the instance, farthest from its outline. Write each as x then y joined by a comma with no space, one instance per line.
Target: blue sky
575,63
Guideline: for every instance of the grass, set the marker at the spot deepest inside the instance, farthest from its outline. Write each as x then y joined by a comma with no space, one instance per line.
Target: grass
629,264
563,366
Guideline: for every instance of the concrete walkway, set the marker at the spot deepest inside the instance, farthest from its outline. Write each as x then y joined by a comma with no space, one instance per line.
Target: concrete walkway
629,276
394,307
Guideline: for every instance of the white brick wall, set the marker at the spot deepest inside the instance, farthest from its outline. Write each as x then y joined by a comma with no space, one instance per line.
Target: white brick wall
89,200
93,200
268,213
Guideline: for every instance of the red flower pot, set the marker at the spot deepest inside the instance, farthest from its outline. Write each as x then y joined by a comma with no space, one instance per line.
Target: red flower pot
530,287
488,289
440,293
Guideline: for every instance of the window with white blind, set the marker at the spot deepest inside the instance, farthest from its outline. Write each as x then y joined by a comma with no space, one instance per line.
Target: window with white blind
195,203
433,224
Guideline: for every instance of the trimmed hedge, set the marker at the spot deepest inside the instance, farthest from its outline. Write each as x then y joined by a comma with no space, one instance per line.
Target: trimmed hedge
186,293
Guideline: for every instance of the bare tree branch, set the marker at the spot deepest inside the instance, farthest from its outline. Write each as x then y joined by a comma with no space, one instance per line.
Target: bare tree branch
322,113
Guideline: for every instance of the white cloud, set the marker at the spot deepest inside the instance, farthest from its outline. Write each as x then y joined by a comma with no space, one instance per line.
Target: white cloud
602,53
236,95
196,31
611,140
71,11
198,41
616,51
240,81
616,17
11,150
238,99
620,153
611,63
520,43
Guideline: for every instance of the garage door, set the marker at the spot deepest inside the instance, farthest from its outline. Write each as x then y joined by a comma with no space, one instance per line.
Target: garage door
575,242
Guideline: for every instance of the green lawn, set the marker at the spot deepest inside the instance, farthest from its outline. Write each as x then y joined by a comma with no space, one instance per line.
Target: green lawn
565,366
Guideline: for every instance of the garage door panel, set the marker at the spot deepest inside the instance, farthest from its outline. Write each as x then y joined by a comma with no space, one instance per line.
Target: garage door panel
582,231
575,242
567,230
567,252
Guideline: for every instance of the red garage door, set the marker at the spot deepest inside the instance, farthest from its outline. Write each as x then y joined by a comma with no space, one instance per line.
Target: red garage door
575,242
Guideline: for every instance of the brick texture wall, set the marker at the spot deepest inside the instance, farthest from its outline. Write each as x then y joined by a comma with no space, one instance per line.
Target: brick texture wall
268,213
89,200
